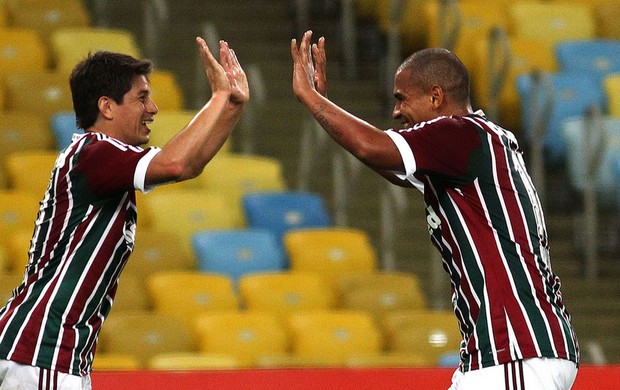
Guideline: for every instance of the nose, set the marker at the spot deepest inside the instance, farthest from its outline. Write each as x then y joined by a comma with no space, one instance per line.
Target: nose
396,111
152,107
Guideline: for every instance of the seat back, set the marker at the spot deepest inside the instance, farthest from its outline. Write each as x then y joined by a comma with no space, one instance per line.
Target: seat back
22,50
431,333
158,251
595,56
63,127
49,90
335,251
247,336
285,292
192,361
30,171
144,335
131,294
611,86
9,281
608,14
165,90
237,252
187,294
566,95
282,211
18,210
334,335
72,44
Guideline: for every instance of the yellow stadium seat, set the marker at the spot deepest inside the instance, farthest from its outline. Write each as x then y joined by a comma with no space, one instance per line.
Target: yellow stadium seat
144,335
380,293
248,336
49,90
285,293
30,170
115,362
430,334
192,361
289,360
157,251
335,251
523,56
165,90
71,45
334,335
18,210
8,283
185,212
22,50
131,295
238,174
48,16
551,21
17,247
168,123
414,24
611,84
3,16
187,294
474,19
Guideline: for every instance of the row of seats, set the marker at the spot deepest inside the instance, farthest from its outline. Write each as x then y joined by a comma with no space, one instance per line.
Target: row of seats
241,339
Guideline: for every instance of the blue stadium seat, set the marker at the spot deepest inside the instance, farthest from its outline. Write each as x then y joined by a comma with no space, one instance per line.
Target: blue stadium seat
596,56
63,126
237,252
561,96
281,211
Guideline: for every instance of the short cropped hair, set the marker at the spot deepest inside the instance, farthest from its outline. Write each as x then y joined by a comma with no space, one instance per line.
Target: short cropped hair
102,74
437,66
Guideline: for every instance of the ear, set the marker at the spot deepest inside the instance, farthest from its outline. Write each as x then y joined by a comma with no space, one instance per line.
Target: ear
105,105
436,96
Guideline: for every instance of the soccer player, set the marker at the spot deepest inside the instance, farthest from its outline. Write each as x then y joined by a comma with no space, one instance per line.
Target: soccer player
483,215
85,229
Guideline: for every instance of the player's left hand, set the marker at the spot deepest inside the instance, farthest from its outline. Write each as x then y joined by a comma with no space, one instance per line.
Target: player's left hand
236,75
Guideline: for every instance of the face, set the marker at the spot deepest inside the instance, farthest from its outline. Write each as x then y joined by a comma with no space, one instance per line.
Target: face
412,104
135,113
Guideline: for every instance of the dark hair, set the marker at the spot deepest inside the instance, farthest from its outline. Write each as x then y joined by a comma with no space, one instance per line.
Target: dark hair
102,74
437,66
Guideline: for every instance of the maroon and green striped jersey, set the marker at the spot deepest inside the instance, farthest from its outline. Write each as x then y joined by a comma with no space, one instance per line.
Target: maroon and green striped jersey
485,218
83,235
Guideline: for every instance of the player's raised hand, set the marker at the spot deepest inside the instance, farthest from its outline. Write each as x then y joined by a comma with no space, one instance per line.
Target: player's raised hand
240,92
215,72
305,76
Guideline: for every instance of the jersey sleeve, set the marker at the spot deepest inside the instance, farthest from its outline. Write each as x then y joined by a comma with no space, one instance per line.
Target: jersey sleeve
109,166
445,147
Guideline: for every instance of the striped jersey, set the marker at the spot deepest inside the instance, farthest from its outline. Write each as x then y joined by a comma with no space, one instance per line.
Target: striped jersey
485,218
84,232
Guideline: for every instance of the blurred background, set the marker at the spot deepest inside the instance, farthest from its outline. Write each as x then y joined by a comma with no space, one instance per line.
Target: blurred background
283,227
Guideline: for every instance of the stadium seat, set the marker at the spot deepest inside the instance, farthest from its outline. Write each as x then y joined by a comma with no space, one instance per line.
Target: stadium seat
429,334
3,17
248,336
380,293
282,211
18,210
49,90
72,44
237,252
186,212
285,293
131,294
522,56
166,91
335,251
561,96
608,14
9,281
239,174
22,50
30,171
595,56
551,21
611,86
158,251
192,361
48,16
187,294
63,127
606,147
387,360
17,246
21,132
115,362
144,335
334,335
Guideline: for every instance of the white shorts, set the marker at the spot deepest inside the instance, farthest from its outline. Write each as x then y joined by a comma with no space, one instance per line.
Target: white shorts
530,374
15,376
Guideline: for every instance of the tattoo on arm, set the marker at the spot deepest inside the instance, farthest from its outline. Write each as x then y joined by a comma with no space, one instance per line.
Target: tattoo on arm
332,129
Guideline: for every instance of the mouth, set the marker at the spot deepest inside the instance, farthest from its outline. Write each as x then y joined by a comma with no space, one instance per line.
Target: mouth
146,122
